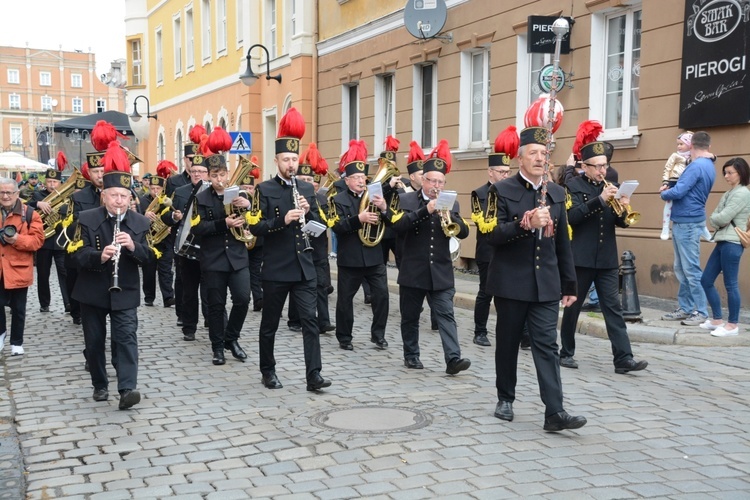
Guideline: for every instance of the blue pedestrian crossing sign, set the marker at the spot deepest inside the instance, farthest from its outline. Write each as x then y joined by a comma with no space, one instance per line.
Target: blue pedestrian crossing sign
241,143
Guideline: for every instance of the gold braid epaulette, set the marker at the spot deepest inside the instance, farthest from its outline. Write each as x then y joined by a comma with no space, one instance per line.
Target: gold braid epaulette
77,242
157,253
568,205
396,216
253,219
486,226
322,215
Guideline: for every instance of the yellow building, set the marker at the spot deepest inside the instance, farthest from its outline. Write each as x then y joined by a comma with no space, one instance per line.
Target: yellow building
186,58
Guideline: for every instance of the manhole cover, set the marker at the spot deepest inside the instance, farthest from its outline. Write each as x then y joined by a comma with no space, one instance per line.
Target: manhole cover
372,419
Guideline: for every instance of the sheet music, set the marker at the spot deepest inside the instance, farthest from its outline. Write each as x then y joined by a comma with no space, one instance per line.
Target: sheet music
375,189
230,194
314,228
627,188
445,200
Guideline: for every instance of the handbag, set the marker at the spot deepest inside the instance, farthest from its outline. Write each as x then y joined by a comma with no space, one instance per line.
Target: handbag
744,235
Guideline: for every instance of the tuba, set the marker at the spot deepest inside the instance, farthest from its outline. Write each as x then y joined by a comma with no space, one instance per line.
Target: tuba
158,230
58,199
619,209
241,233
371,234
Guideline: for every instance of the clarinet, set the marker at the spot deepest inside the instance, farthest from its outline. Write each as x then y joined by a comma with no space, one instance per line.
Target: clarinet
115,286
295,197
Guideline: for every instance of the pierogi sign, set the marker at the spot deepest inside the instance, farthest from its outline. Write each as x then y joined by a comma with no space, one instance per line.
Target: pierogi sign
714,80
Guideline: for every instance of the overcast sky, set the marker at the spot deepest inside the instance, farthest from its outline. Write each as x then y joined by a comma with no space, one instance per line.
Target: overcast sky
97,26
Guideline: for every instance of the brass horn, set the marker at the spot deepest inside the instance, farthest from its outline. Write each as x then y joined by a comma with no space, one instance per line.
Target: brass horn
631,217
371,234
241,233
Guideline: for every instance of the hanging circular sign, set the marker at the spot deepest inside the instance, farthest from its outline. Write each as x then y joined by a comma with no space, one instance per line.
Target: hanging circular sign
546,77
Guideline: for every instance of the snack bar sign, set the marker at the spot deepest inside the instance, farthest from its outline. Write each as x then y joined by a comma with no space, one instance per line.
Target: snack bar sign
715,83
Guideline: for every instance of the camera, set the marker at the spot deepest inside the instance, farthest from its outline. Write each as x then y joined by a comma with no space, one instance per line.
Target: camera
9,231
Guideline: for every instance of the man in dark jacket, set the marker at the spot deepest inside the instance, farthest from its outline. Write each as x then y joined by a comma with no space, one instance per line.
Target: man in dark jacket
108,285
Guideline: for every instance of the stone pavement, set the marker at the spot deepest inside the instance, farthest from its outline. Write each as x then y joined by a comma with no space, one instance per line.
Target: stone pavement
677,430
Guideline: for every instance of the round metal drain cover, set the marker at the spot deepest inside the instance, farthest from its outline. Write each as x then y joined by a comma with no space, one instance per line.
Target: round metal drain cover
372,419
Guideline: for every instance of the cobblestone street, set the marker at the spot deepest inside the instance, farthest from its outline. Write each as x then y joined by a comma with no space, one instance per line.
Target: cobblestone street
677,430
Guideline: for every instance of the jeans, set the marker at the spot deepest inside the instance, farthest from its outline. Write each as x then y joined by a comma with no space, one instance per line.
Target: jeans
687,266
725,259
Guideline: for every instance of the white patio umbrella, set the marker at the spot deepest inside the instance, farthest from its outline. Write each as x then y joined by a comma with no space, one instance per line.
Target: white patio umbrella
14,162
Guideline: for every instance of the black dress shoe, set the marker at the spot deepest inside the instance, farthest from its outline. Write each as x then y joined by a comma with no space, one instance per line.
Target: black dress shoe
457,365
413,363
101,394
129,398
86,366
76,321
347,346
271,381
328,329
170,302
295,328
67,308
368,299
179,322
219,358
589,307
329,290
631,365
149,303
189,337
568,362
317,383
44,309
258,305
504,410
434,327
561,421
525,343
237,351
482,340
379,343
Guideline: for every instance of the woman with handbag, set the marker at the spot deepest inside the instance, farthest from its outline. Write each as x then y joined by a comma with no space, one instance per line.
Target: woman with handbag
732,212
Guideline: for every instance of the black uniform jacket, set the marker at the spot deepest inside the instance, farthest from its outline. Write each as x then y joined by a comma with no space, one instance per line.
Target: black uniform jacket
51,242
525,267
319,244
426,260
593,222
483,249
95,278
220,251
351,252
175,181
284,258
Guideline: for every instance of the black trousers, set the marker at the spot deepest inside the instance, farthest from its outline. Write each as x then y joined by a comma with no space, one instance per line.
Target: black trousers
255,257
411,301
15,298
607,286
541,319
190,271
349,280
483,301
162,266
124,325
389,245
322,282
177,280
217,282
274,296
44,259
71,274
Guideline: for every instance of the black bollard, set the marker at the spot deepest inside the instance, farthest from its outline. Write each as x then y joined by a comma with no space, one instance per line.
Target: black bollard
631,306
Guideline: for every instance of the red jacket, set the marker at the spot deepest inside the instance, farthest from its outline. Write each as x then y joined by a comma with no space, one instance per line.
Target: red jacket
17,260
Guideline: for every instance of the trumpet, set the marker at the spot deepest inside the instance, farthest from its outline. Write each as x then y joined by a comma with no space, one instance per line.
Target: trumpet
115,283
630,216
450,228
242,233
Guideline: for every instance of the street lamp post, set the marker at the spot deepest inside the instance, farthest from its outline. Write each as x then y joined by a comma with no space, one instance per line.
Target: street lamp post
80,136
249,77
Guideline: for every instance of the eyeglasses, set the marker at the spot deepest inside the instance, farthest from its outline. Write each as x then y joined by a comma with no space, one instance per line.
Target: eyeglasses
501,172
8,193
601,166
436,182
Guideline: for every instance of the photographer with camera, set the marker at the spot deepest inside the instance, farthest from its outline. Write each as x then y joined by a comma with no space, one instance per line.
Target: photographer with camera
21,235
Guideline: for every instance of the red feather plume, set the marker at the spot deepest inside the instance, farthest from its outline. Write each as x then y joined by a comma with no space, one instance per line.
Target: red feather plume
292,124
415,152
203,146
165,168
85,171
103,134
391,143
196,133
588,132
508,142
442,151
116,158
357,152
313,158
61,162
219,141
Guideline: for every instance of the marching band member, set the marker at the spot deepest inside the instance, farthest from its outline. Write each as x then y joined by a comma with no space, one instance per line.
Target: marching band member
528,275
223,258
254,254
287,267
426,267
359,260
594,244
162,265
50,251
108,246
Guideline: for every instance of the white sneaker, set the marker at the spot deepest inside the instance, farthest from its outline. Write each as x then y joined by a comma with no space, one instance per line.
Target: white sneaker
2,340
707,325
16,350
723,332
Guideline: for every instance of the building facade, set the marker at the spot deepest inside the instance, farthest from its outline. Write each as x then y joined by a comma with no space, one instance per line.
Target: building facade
39,87
478,77
186,58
